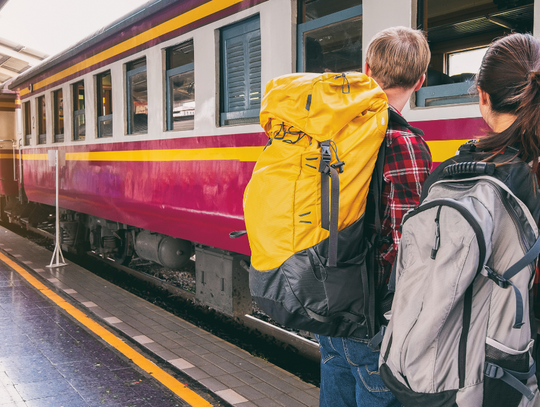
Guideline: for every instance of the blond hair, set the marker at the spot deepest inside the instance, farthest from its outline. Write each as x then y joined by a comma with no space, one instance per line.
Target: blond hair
398,57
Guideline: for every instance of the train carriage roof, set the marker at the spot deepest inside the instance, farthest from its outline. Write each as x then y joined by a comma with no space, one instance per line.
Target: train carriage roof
114,28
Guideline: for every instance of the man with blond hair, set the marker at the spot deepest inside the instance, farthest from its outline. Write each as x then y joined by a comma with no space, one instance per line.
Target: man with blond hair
397,59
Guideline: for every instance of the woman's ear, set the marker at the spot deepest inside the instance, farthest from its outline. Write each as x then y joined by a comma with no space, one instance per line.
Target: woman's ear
484,98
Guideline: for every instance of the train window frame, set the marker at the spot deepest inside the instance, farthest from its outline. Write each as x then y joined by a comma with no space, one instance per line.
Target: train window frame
321,22
58,114
27,123
103,121
248,32
130,73
460,89
79,116
188,68
41,108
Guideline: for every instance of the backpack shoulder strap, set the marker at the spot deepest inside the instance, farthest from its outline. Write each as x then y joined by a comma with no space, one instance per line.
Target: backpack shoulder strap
395,117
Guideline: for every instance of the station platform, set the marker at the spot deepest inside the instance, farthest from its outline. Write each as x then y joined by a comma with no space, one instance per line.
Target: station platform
69,338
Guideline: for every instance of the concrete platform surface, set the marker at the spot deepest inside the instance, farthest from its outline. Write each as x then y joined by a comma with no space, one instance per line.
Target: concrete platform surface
46,354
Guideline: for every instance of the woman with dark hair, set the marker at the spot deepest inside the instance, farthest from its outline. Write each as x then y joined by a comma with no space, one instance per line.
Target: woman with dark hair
462,331
509,88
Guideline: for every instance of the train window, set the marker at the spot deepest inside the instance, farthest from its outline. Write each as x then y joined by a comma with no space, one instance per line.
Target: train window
58,100
459,32
104,104
27,124
241,72
329,36
137,97
180,87
42,120
79,123
465,61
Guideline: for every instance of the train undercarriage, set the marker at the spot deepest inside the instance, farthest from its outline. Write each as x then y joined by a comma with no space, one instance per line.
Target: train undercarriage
80,233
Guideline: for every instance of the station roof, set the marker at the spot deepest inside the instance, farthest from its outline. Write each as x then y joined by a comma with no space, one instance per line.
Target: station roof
16,58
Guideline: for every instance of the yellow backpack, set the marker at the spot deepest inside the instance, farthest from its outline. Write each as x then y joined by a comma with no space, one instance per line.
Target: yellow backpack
305,203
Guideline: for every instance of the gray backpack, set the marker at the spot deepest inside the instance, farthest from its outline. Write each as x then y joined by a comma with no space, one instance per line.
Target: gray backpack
461,330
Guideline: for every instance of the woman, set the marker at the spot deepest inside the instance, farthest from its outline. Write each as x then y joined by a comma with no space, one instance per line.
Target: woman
509,88
460,332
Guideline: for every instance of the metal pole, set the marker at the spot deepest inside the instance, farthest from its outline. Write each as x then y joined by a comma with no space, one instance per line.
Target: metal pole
57,249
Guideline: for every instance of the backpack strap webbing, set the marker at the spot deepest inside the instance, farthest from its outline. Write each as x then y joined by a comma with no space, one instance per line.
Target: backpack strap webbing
511,377
329,213
503,280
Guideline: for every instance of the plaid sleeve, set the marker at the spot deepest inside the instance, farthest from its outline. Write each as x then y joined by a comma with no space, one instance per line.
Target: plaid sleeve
408,164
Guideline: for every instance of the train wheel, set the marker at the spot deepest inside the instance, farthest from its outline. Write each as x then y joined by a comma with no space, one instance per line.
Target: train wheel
124,246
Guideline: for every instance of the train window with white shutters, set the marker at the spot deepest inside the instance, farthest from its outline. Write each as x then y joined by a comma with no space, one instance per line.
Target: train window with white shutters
329,36
58,101
79,118
42,120
241,72
180,82
137,97
104,104
459,32
27,123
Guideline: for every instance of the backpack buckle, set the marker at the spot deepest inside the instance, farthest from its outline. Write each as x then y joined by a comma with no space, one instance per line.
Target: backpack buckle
497,279
326,152
493,371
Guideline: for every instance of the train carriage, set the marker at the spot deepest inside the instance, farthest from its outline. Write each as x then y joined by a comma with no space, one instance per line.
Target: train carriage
157,113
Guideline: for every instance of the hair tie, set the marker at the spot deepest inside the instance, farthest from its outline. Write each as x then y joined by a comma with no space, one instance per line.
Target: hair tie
534,76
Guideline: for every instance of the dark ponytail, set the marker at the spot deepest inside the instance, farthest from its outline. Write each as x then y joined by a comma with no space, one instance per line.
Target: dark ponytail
510,75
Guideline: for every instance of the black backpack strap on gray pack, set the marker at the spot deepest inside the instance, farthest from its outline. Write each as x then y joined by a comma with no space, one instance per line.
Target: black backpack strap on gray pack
393,116
511,377
503,280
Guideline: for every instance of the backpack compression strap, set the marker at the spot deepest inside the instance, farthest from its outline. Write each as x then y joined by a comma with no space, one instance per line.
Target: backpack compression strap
330,212
503,280
511,377
330,215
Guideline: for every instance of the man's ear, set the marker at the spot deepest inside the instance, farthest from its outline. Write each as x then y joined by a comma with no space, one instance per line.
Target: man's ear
420,83
367,69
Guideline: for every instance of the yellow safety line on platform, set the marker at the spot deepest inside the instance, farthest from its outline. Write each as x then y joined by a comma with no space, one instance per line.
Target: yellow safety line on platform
166,379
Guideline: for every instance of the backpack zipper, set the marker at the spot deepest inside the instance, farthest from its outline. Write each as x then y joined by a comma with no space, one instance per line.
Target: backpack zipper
437,243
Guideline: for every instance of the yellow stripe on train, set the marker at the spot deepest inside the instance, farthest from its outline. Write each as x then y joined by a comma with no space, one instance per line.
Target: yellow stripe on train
182,20
440,150
197,154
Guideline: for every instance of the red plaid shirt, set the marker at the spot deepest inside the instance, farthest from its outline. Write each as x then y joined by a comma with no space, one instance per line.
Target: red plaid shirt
407,165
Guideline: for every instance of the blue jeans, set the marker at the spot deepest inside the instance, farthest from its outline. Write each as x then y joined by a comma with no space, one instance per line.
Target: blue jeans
350,375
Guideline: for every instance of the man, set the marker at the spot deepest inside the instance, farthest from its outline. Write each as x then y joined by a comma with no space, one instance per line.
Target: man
397,59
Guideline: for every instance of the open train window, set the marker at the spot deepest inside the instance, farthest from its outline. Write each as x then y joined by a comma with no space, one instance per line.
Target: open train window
329,36
459,32
79,121
27,123
58,100
104,104
42,120
180,87
241,72
137,95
